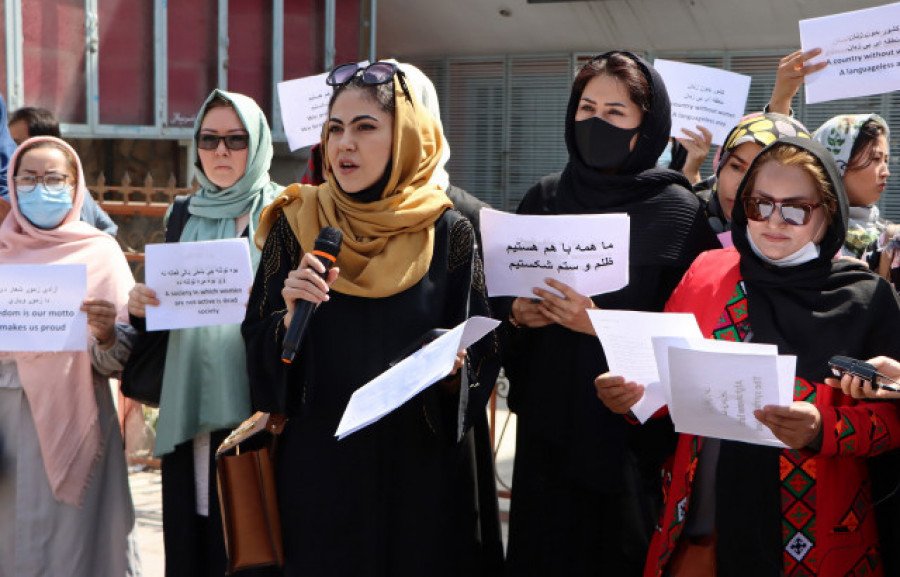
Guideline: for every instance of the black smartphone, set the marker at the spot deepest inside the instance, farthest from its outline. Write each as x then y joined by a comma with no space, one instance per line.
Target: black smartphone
840,365
418,344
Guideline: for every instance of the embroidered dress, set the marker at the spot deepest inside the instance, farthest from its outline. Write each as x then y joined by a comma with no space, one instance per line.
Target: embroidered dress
814,488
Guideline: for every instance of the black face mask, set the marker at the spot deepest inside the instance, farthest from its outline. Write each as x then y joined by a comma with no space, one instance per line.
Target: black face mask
602,145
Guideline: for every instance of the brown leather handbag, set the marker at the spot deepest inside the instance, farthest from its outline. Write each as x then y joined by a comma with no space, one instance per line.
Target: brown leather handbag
245,473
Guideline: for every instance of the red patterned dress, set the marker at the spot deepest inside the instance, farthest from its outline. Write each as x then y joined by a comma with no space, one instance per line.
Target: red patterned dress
828,528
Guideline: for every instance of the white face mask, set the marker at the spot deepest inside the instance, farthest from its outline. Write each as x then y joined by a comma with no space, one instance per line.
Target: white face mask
809,251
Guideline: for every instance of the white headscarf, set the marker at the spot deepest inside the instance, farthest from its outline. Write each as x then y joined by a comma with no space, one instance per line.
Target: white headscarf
423,89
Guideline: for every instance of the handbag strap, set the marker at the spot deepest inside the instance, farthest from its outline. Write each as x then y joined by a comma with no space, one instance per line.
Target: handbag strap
178,217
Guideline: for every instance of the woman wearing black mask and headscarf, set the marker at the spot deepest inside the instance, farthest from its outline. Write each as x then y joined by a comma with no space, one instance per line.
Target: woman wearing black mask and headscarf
585,486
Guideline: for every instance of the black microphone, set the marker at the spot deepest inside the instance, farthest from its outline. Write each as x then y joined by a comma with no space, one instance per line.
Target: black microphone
327,247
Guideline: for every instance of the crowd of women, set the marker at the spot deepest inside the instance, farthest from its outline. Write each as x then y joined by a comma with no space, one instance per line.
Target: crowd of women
413,494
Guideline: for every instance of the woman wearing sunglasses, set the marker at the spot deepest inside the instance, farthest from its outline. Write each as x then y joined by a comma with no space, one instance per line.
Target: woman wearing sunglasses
584,486
205,390
742,144
383,501
807,509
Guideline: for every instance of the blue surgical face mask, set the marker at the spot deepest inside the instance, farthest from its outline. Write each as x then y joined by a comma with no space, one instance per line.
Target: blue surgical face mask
45,208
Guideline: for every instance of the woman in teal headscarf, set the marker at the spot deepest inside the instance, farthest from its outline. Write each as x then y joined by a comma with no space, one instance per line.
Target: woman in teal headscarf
205,390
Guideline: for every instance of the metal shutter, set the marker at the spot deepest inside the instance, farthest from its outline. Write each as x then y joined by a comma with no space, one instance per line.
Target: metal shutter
538,97
472,107
504,116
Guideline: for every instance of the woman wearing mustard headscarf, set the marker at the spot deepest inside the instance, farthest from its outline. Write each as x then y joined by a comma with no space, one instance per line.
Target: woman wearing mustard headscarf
382,501
205,390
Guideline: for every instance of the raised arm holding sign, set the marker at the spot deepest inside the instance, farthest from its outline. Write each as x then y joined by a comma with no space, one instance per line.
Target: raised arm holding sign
861,48
704,96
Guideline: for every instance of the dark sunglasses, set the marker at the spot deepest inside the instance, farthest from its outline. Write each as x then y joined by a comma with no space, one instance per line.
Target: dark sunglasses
794,213
232,141
374,74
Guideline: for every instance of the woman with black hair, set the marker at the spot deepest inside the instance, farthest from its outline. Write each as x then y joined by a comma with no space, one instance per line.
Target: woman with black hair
859,143
382,501
584,486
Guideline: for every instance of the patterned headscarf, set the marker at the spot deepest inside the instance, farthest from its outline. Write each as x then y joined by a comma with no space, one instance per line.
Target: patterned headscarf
839,134
763,129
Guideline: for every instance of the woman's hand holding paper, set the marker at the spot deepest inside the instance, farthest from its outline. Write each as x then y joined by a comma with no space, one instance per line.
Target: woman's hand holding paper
569,310
616,393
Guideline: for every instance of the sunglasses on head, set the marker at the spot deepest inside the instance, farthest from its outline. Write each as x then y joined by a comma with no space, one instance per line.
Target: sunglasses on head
376,73
232,141
794,213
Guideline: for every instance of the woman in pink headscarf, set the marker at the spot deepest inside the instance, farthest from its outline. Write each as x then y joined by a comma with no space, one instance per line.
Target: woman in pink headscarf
64,493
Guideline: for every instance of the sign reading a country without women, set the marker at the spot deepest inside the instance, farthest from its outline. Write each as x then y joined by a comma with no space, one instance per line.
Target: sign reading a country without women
862,49
704,96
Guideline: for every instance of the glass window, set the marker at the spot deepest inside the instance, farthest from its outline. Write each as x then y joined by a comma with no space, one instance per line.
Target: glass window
304,40
193,56
53,57
250,51
126,61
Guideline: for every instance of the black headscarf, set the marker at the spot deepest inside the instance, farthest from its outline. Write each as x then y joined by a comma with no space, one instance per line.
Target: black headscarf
814,310
652,197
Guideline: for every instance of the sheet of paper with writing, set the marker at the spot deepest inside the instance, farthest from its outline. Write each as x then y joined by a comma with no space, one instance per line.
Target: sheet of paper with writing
303,104
701,95
587,252
409,377
40,308
198,283
715,388
627,343
862,49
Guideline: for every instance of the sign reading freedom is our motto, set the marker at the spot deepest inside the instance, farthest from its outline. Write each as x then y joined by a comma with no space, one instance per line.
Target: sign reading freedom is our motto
40,308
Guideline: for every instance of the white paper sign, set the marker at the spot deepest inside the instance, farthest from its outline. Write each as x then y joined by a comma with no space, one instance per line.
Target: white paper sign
715,388
587,252
710,97
862,49
627,343
411,376
198,283
304,108
40,308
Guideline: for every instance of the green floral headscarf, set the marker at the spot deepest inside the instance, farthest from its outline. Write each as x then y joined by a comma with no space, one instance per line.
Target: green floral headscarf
840,133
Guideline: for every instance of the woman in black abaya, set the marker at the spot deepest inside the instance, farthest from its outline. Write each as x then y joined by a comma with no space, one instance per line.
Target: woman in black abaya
585,487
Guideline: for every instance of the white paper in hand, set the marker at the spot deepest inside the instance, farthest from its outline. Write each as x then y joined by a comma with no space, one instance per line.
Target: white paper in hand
715,389
627,343
40,308
409,377
198,283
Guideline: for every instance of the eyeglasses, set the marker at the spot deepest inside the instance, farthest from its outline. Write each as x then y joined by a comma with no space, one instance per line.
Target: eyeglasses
54,182
794,213
374,74
232,141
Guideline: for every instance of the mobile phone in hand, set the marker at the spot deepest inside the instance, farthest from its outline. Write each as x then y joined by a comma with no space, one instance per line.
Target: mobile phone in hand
841,365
